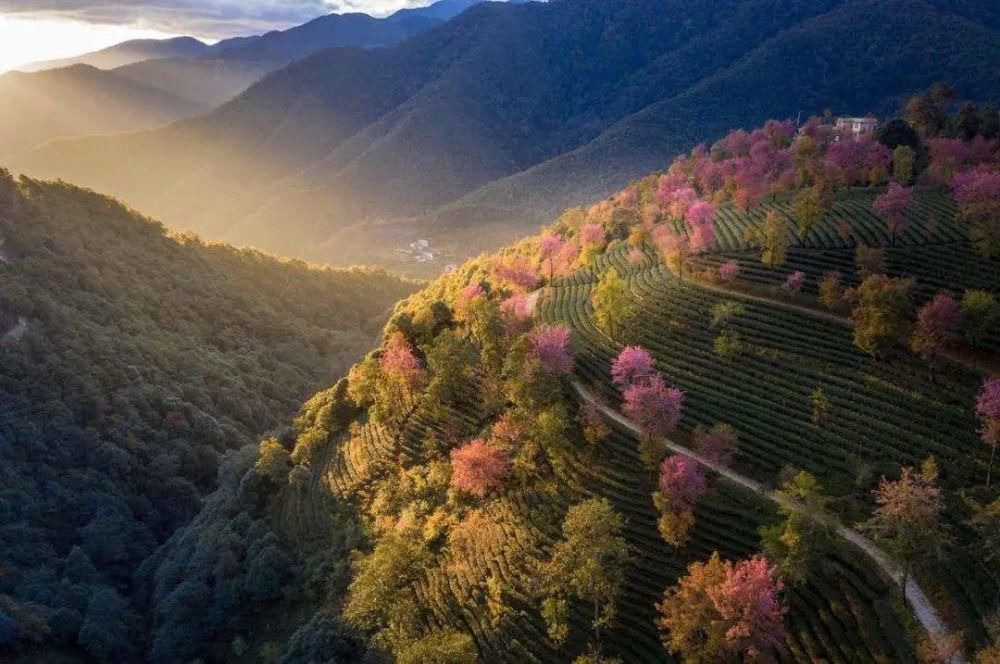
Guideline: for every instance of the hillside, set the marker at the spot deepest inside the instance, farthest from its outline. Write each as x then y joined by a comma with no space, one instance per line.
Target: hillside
549,438
79,101
480,129
127,52
130,362
151,83
220,74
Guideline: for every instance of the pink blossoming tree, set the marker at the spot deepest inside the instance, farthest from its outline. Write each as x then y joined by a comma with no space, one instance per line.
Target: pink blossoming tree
988,411
937,323
632,365
681,482
478,468
893,205
550,346
654,406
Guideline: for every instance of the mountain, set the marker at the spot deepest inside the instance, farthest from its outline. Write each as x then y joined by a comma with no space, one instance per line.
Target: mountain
220,74
168,80
470,133
77,101
131,362
553,443
127,52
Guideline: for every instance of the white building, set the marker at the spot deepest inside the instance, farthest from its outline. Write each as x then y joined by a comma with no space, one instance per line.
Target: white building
856,127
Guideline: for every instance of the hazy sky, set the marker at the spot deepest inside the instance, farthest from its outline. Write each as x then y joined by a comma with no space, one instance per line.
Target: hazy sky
32,30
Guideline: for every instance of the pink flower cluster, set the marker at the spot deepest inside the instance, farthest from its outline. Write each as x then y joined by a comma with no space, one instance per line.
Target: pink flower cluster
632,365
681,482
729,271
550,346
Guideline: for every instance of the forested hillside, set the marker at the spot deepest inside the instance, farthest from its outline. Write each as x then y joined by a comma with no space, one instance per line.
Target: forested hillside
475,132
80,101
668,428
130,362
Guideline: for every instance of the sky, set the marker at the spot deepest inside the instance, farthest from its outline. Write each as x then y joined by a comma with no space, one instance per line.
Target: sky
32,30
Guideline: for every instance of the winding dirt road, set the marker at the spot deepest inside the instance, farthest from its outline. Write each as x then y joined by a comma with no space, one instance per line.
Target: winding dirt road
924,611
921,606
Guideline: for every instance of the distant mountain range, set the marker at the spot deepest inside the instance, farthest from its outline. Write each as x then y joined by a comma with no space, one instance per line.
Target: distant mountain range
77,101
473,131
149,83
125,53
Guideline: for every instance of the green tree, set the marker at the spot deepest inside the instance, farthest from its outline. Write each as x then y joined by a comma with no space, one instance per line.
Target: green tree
381,597
588,563
444,646
804,535
980,316
829,289
555,613
869,260
274,461
773,239
809,206
880,315
819,403
927,112
109,627
904,161
907,518
614,308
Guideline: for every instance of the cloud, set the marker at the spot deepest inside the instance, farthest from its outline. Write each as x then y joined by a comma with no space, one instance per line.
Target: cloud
202,18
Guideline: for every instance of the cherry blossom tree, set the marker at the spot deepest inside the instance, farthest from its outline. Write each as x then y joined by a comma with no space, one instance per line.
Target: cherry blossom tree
654,406
633,364
550,346
478,468
680,201
988,411
466,299
680,486
975,186
674,248
400,362
978,196
716,444
549,247
681,481
893,204
721,610
729,271
566,258
794,282
592,235
517,272
516,313
748,600
948,155
937,323
635,256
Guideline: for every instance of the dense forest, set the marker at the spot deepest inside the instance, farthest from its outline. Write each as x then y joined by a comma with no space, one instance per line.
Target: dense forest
617,441
131,361
475,132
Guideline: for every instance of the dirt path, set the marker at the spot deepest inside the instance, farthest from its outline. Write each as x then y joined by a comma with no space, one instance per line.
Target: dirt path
824,315
922,608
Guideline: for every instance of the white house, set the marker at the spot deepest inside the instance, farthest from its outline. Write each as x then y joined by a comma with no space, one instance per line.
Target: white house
856,127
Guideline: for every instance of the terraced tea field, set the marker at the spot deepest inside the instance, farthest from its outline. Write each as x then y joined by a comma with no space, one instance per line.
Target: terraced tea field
843,614
881,416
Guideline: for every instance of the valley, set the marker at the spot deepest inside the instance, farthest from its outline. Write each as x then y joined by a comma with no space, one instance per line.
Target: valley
581,331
